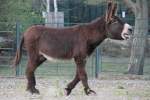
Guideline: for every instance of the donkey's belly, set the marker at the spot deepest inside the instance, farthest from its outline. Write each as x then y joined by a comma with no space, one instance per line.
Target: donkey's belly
48,57
55,58
56,49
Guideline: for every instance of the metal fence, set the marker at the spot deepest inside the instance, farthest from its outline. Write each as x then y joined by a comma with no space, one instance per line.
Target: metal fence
7,53
59,68
108,57
7,47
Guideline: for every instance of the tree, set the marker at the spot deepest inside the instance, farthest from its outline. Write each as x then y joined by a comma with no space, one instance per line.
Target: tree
18,10
140,10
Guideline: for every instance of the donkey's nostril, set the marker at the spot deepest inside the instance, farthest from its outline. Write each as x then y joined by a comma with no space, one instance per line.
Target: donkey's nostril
130,31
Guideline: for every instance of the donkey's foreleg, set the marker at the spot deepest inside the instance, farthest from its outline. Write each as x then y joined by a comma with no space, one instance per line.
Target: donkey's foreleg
72,84
83,75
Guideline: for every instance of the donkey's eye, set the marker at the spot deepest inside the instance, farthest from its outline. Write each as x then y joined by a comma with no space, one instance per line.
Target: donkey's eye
114,21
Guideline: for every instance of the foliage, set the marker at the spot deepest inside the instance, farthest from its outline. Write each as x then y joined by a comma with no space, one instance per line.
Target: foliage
18,10
29,12
81,11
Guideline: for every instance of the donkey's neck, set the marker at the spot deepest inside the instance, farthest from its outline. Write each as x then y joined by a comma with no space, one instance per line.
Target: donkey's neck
99,24
97,30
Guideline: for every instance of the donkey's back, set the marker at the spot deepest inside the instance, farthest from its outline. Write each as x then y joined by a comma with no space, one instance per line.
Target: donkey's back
62,43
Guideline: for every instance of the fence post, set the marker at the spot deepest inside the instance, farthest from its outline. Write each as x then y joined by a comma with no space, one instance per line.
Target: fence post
97,62
17,44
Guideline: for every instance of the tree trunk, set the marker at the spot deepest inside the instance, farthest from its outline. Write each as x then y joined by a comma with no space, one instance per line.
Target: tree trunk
139,39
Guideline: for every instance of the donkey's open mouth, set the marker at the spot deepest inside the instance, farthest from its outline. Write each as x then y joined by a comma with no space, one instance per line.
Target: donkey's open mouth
127,32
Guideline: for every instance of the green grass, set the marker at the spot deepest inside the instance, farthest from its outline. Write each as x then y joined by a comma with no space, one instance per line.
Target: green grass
120,65
6,71
130,93
60,68
113,65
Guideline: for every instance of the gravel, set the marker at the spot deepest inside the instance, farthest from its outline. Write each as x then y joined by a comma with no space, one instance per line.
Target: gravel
14,89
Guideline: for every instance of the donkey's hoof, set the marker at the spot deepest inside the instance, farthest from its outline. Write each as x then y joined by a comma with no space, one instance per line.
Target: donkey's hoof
67,91
33,91
89,91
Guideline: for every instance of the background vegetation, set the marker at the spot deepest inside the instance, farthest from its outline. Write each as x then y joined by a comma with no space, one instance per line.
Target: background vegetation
12,11
29,12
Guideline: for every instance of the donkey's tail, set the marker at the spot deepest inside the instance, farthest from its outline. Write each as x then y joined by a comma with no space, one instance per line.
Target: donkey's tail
18,54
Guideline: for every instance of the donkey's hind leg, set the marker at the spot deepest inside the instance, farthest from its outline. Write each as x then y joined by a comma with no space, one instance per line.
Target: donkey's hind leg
72,84
31,67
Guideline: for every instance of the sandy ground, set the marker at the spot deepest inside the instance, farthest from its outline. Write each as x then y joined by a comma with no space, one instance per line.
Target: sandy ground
14,89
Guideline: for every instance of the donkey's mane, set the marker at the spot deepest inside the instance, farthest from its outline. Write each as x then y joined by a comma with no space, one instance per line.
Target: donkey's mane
97,21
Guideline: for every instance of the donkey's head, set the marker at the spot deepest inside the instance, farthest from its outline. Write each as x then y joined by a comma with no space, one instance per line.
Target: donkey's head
115,27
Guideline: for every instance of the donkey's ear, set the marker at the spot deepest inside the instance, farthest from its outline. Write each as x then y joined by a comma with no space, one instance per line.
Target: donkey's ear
109,11
114,9
109,6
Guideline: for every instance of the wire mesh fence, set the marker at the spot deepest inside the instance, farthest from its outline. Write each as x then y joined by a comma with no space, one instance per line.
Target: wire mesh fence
7,45
114,57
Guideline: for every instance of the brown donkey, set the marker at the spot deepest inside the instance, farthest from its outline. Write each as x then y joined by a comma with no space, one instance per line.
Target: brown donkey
78,42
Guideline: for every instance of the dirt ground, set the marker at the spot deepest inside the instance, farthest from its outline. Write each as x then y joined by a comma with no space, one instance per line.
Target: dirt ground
109,89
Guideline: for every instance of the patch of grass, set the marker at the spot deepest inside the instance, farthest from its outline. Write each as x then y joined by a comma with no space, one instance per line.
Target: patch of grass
139,92
113,67
59,68
120,87
6,71
120,92
109,65
130,93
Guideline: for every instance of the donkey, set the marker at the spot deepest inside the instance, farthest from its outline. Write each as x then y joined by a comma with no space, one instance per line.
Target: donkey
78,42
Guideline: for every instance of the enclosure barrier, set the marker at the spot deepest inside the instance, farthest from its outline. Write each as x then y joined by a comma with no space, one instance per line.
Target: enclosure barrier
108,58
